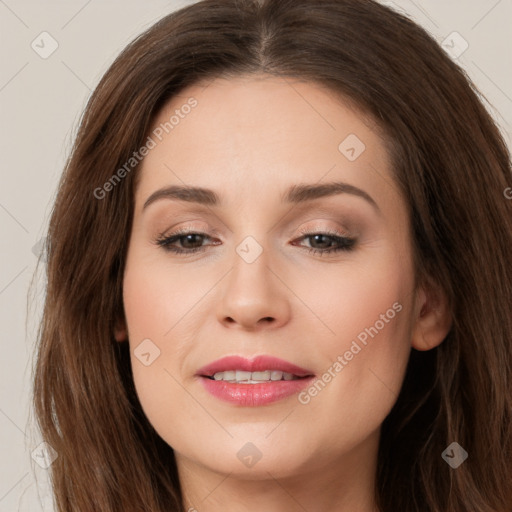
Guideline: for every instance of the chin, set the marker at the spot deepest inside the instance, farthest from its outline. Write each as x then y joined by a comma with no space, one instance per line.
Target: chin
251,459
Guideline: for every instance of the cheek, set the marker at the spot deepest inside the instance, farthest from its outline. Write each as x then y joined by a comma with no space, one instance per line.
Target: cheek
365,345
155,304
356,298
162,304
158,296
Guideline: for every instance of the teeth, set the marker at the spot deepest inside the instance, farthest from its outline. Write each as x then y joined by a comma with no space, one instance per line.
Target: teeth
244,377
258,375
240,375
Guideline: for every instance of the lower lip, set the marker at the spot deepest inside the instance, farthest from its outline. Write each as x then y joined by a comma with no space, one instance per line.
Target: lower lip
252,395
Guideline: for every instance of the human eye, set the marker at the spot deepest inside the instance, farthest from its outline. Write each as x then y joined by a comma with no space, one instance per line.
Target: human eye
191,241
336,241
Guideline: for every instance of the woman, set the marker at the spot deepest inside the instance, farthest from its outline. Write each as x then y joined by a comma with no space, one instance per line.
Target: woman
279,273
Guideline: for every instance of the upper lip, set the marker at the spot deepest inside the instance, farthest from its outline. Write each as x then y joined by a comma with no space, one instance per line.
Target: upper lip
258,364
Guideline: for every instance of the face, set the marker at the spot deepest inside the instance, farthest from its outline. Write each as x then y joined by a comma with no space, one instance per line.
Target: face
313,285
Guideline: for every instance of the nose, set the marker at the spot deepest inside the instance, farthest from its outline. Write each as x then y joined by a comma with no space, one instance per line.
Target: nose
254,296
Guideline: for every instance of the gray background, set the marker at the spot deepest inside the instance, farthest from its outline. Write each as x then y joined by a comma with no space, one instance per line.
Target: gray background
41,100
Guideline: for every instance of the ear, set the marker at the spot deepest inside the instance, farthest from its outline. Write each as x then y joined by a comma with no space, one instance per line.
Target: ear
120,330
433,318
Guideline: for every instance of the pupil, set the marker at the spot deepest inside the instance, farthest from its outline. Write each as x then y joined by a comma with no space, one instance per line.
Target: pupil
187,239
320,236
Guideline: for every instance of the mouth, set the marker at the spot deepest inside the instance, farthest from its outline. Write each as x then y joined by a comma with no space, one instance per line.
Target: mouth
243,377
260,369
259,381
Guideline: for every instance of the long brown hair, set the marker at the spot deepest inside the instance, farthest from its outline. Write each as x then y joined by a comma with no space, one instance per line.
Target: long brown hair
452,166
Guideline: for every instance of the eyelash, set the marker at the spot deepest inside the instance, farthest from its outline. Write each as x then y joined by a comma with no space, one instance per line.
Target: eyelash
346,243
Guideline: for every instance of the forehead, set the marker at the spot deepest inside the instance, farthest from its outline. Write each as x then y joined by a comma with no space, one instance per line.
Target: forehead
250,133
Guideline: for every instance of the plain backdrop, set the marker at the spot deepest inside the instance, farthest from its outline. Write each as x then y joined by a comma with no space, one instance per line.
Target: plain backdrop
41,100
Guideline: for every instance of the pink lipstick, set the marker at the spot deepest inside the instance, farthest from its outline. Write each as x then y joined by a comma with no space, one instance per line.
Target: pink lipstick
253,382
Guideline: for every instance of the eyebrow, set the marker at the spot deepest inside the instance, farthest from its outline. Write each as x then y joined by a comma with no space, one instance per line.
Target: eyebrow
296,194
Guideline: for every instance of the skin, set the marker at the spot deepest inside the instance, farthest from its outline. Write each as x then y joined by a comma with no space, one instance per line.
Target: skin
249,138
